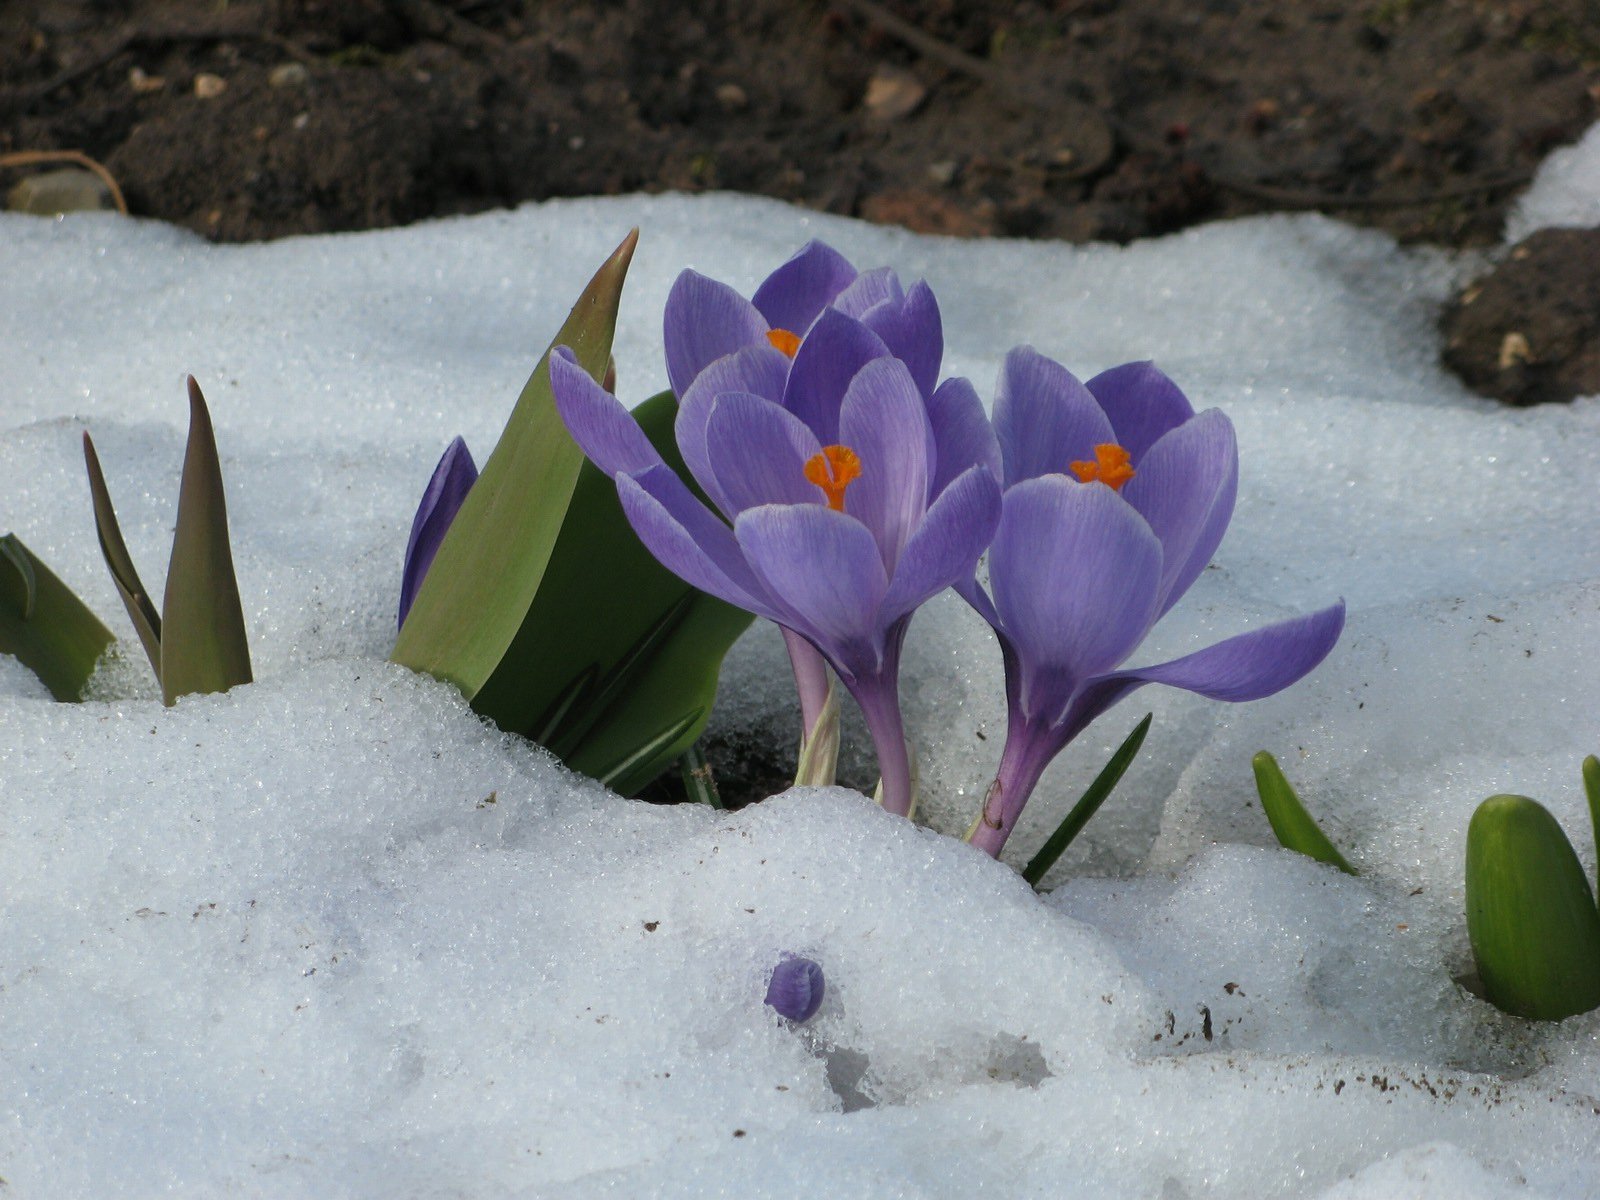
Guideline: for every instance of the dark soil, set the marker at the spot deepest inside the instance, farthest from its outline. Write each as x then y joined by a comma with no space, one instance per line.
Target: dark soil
1071,119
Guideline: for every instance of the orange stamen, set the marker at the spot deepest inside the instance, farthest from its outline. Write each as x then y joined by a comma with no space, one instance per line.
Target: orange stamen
783,340
835,469
1110,467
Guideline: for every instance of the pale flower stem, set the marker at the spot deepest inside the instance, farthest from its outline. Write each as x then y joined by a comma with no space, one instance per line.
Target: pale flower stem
896,787
818,764
1022,762
812,679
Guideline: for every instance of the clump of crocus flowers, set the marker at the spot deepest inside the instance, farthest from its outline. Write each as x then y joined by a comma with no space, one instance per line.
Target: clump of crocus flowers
848,486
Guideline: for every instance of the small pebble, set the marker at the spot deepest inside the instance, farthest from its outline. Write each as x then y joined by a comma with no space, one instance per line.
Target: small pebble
289,74
208,86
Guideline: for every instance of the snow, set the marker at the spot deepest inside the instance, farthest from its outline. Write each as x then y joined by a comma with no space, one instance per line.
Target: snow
331,935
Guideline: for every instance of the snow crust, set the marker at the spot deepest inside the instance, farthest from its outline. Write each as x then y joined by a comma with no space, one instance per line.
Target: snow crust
331,935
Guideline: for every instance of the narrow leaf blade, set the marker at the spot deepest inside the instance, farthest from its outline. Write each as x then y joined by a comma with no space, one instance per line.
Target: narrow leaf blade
1291,823
477,594
44,624
1531,917
141,610
1591,789
203,645
1088,804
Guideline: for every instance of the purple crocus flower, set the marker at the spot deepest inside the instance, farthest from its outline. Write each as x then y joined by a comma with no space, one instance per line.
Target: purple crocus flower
811,325
441,500
796,988
836,539
1084,564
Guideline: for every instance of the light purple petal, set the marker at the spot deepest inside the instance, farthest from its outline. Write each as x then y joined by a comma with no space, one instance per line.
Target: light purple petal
796,988
1044,418
962,435
758,451
946,546
796,293
834,350
705,320
822,568
1247,667
447,488
688,539
1185,487
1073,572
883,420
597,420
759,370
870,289
1141,403
912,330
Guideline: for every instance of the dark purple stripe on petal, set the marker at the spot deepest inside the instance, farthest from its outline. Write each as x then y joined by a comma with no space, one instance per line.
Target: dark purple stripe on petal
796,988
836,348
946,545
597,420
794,295
1141,403
1073,572
1043,417
1185,487
447,488
705,320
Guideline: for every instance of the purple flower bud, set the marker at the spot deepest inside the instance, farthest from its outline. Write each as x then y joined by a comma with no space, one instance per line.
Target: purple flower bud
796,989
441,500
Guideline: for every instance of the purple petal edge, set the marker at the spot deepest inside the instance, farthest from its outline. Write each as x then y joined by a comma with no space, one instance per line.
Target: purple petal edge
452,479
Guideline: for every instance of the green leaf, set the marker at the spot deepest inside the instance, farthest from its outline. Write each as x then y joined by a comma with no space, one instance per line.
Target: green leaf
203,642
141,611
646,646
699,784
44,624
1088,804
1591,788
1292,824
1531,917
477,595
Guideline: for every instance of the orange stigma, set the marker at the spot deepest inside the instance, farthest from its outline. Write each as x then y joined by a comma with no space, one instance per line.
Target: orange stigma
835,469
783,340
1110,467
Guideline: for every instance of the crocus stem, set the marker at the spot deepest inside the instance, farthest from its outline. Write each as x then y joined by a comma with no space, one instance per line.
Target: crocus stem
818,762
880,705
1022,762
811,678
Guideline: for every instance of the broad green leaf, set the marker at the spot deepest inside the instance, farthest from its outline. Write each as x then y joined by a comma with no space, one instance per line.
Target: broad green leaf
141,611
614,647
1591,788
44,624
1088,804
203,643
1290,821
478,593
1531,917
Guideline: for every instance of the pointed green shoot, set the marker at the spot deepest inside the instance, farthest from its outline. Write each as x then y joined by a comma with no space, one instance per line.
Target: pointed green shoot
44,624
1591,788
699,784
1291,823
203,643
1531,917
141,610
1088,804
477,594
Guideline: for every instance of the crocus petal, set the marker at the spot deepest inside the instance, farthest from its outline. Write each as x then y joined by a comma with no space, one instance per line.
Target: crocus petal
946,546
1043,417
822,568
759,370
793,295
1185,487
688,539
758,451
796,988
912,330
1073,571
597,420
870,289
705,320
1142,404
834,350
962,434
1246,667
883,420
452,479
